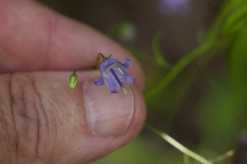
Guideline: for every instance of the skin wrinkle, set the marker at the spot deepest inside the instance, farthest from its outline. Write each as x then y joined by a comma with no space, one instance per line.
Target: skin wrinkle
31,106
55,135
37,147
46,122
55,125
19,111
5,132
41,145
11,100
26,108
44,114
37,144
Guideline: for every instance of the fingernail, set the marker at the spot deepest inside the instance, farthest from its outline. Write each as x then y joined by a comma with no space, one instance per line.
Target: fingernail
108,114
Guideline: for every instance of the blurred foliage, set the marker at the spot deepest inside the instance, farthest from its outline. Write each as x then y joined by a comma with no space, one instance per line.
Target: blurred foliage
125,31
222,108
158,54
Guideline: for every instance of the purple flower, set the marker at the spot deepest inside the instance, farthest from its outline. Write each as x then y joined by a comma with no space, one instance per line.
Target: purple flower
114,74
167,6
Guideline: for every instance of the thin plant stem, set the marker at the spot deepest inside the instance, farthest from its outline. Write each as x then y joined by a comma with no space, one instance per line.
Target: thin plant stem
224,157
178,68
180,147
187,153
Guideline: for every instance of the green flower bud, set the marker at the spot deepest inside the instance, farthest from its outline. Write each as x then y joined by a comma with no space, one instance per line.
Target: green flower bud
73,80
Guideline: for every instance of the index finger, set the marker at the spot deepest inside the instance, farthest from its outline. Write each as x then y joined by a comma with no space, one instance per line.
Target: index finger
33,37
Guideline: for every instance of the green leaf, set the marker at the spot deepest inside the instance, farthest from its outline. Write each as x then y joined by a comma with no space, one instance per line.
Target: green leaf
237,17
158,54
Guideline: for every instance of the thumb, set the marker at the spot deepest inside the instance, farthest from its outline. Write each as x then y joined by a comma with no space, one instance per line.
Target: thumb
43,121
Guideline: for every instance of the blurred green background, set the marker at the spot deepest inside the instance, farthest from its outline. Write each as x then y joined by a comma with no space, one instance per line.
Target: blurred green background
194,54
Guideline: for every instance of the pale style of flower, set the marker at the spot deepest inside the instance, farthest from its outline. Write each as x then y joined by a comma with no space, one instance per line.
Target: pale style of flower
114,74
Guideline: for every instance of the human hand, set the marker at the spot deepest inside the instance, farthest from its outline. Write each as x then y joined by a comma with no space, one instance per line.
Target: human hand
42,121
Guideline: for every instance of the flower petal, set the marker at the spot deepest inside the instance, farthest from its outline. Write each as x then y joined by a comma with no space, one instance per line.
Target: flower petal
99,82
127,63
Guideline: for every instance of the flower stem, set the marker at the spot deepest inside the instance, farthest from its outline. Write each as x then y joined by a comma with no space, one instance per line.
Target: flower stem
178,68
180,147
223,157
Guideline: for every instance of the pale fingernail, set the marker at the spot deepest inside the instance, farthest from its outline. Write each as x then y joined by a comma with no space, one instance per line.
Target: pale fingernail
108,114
